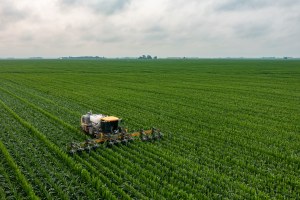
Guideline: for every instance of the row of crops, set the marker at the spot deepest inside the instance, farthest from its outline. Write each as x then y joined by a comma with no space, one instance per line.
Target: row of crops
231,127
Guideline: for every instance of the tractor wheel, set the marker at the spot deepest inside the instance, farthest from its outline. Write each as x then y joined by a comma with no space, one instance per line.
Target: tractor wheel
110,144
144,138
130,139
80,150
88,149
91,131
95,146
117,142
125,142
72,152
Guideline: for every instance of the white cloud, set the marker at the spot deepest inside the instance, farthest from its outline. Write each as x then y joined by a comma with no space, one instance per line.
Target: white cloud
205,28
98,6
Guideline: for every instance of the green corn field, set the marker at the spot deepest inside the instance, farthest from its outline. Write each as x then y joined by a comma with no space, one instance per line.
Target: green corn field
231,129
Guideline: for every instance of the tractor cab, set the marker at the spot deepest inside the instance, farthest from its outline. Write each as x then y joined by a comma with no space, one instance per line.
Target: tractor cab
110,124
94,124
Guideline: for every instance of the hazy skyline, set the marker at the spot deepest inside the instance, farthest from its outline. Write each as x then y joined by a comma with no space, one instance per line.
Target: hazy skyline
112,28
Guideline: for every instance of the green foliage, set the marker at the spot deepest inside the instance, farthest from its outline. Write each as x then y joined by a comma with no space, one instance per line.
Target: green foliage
231,129
26,186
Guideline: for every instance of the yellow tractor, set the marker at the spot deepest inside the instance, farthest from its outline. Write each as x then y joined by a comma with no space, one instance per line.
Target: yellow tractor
108,129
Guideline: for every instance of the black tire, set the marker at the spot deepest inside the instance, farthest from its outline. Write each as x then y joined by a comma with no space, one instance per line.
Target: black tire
109,144
91,132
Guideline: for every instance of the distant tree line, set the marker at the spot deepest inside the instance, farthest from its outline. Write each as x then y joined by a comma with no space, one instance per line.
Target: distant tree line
83,57
147,57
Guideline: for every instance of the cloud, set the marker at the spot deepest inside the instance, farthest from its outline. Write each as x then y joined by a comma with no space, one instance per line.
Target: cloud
252,31
206,28
107,7
241,5
11,14
233,5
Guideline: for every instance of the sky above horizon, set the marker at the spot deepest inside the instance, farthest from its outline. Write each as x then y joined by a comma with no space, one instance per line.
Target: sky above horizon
165,28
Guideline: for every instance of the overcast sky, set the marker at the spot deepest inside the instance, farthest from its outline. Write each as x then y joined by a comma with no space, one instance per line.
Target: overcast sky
111,28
